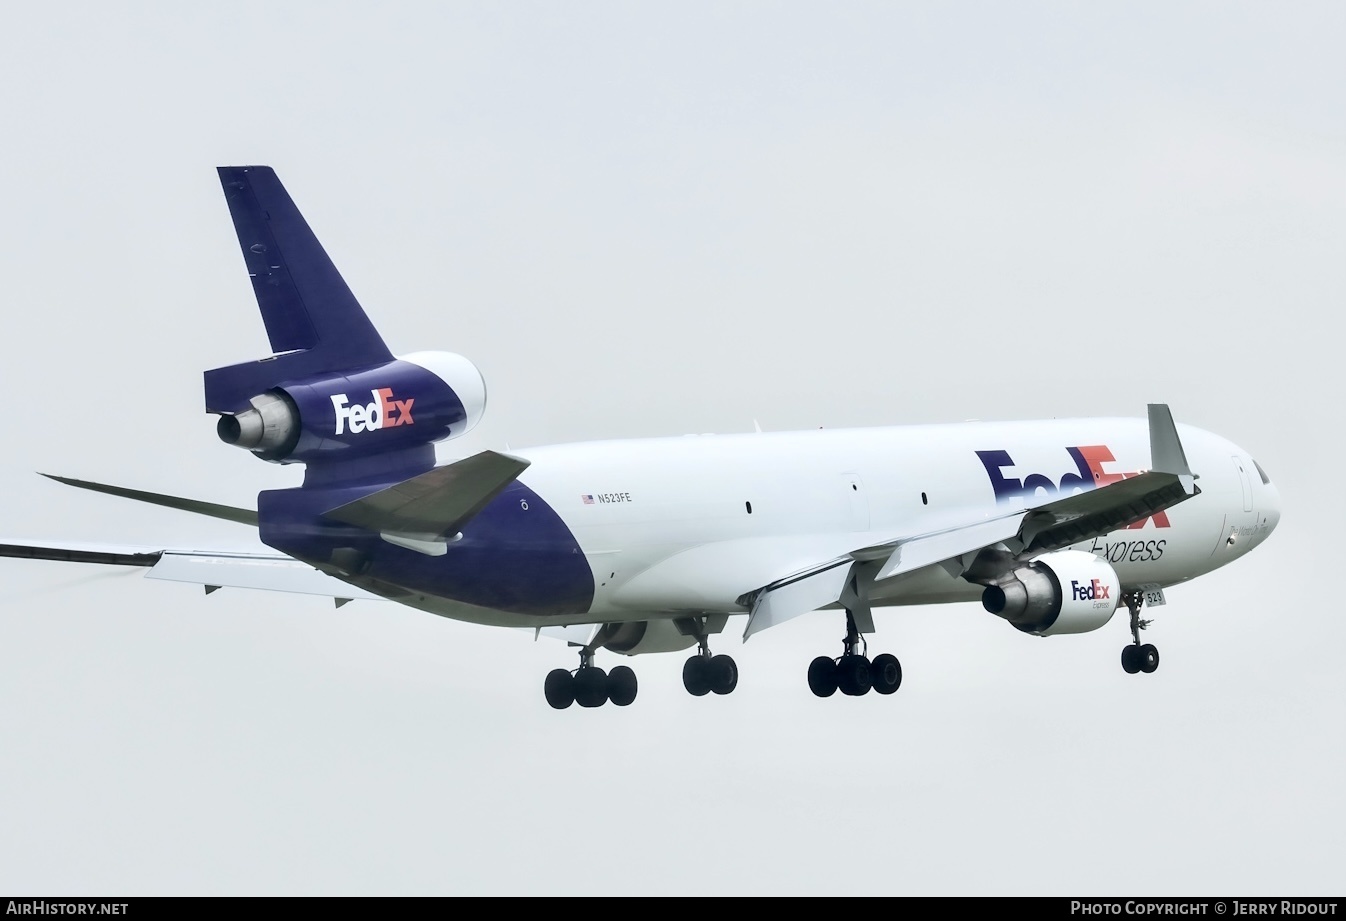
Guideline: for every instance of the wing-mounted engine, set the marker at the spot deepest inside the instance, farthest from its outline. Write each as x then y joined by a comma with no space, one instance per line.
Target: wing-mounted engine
414,400
1068,591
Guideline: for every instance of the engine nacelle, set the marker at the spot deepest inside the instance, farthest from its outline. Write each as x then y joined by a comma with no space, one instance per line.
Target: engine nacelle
413,400
1069,591
644,636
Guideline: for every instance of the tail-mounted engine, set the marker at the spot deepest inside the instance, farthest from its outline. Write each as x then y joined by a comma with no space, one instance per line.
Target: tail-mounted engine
413,400
1068,591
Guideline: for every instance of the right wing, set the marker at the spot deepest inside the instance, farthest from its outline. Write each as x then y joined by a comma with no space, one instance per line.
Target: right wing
213,569
1022,532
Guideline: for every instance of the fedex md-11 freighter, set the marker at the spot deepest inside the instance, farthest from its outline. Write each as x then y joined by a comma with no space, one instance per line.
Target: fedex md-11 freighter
651,545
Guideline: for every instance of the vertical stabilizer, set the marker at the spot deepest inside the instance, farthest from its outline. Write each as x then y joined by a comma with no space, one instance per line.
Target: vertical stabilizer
313,320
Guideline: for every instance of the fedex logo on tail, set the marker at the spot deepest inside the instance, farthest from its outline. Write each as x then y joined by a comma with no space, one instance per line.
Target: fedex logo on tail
1088,474
1093,591
382,412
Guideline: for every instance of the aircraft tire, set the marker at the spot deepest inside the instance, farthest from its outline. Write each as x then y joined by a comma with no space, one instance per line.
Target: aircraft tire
723,673
823,676
622,686
885,673
559,688
853,678
1131,658
591,687
695,677
1148,658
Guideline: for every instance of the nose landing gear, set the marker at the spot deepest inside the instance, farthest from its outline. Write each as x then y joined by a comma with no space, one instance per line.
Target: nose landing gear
1138,657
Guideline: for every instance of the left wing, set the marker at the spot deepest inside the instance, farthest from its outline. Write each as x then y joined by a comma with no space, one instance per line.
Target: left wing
1026,532
213,569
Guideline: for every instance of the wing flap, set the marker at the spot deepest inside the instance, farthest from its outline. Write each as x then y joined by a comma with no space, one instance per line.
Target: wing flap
266,572
788,600
919,552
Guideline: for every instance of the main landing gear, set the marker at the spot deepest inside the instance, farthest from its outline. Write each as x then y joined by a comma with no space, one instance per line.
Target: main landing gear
854,674
589,685
704,673
1137,657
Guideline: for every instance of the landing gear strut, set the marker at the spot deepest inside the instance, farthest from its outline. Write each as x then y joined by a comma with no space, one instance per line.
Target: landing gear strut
854,674
589,685
1137,657
704,673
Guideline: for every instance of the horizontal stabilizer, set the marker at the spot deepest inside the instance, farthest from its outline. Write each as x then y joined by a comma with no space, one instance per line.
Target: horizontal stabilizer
419,512
226,512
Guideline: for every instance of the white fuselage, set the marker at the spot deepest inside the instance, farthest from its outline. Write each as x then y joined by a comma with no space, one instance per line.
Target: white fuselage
691,524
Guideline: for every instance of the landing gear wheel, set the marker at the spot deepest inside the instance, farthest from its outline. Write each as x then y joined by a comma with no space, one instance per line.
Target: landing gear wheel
722,673
1131,659
853,678
694,676
559,688
591,686
823,676
885,673
621,686
1148,658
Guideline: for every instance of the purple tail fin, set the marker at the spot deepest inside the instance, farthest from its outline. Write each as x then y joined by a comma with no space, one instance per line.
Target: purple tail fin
314,322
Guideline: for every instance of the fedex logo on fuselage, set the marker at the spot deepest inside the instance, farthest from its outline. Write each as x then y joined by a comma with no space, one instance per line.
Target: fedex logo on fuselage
1093,591
382,412
1088,474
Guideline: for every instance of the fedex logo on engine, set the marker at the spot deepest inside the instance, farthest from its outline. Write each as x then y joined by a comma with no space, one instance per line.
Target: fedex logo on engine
1088,474
382,412
1094,591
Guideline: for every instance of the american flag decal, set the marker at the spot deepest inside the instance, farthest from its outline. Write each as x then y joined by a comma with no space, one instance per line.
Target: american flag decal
588,500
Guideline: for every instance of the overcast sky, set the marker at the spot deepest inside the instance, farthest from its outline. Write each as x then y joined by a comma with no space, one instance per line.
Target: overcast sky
644,220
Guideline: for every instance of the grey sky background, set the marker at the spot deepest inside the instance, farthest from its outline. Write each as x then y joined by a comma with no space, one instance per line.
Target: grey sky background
639,221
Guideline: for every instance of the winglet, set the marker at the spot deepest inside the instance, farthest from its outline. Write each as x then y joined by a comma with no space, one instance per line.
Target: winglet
1166,453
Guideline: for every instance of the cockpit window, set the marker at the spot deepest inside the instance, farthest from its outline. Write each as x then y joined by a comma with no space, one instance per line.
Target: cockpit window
1266,480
